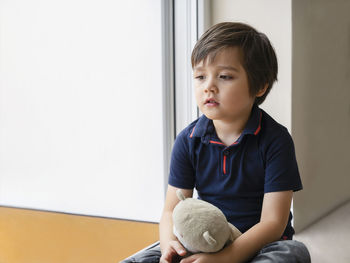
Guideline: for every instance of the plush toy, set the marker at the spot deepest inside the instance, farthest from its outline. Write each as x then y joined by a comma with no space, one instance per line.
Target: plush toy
201,226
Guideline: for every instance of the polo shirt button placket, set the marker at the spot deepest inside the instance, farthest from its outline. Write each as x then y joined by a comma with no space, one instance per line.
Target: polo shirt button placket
225,153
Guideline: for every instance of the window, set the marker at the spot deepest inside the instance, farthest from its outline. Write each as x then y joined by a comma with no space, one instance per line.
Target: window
84,118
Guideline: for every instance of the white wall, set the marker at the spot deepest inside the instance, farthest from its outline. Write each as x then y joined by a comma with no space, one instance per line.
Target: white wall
272,17
321,106
81,113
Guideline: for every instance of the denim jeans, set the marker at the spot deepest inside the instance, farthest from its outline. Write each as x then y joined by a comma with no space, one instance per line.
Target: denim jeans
286,251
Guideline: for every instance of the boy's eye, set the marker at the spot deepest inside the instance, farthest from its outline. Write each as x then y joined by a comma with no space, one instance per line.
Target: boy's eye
200,77
225,77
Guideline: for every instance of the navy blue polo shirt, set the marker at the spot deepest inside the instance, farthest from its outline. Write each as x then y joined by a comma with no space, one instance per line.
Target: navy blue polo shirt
235,178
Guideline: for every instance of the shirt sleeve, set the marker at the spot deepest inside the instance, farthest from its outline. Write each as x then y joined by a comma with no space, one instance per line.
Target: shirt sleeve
281,171
182,173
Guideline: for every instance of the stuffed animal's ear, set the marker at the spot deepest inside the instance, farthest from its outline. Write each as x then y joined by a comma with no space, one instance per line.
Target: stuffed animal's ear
180,195
210,240
234,232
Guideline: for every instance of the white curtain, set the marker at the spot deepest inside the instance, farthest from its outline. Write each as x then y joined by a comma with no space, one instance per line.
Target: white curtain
81,120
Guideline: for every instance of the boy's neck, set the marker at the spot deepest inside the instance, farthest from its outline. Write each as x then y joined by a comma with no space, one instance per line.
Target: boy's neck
229,131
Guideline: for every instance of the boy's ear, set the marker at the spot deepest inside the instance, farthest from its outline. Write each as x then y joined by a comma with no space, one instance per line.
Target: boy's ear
262,90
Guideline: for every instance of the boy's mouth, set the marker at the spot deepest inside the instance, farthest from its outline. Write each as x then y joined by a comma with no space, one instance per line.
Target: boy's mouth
211,102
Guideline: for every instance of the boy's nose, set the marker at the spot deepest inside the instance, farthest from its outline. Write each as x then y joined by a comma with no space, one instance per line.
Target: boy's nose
210,86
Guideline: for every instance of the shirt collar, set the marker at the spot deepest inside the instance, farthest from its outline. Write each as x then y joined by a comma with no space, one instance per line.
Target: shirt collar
205,126
254,122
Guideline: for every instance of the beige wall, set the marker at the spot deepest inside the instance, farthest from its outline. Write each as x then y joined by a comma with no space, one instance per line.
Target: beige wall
321,105
314,100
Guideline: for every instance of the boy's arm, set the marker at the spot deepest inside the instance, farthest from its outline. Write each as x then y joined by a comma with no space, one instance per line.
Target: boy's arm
274,219
169,244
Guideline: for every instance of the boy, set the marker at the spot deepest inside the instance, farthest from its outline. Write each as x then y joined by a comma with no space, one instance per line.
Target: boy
236,155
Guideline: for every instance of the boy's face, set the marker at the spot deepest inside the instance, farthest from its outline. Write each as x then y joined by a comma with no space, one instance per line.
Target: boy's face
221,87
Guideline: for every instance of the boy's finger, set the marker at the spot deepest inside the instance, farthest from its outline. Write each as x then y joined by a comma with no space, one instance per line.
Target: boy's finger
189,259
179,249
186,260
166,258
162,260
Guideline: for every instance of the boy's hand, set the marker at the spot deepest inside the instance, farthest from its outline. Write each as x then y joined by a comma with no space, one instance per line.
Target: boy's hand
200,258
173,250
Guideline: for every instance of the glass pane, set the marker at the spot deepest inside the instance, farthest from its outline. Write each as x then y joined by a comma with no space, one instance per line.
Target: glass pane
81,126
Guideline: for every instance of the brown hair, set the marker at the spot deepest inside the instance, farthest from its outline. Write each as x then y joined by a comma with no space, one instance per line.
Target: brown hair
259,58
